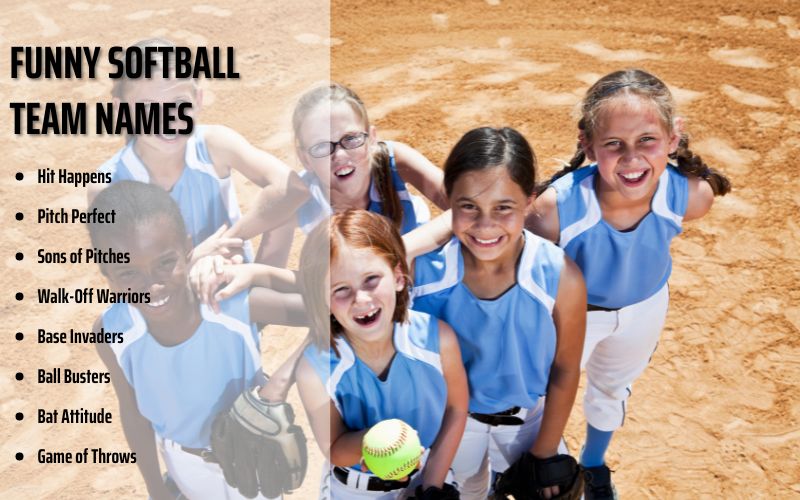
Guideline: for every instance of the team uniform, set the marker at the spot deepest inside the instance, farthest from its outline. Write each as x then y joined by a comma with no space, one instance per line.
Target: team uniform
507,345
626,275
181,388
363,399
206,201
318,207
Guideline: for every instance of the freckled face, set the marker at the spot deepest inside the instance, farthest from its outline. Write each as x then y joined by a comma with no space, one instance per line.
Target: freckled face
363,293
489,211
631,146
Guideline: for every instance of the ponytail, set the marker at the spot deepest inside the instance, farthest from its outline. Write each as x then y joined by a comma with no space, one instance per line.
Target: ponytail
574,164
381,169
691,164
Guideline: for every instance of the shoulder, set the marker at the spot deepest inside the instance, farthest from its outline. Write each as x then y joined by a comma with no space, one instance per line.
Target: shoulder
543,220
448,341
701,197
437,270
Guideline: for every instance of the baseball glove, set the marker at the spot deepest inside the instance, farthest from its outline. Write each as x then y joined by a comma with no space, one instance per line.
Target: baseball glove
258,447
526,478
446,492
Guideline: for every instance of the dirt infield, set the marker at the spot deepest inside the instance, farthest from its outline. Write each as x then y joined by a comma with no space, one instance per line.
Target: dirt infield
717,414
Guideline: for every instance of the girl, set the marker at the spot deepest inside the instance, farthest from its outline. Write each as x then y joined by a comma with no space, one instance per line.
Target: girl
616,219
380,361
516,303
178,363
347,167
196,169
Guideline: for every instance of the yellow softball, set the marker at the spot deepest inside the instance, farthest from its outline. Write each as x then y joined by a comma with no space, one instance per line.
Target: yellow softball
391,449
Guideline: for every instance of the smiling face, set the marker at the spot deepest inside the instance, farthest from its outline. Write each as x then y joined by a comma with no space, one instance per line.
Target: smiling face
363,291
489,211
347,171
631,146
157,265
159,90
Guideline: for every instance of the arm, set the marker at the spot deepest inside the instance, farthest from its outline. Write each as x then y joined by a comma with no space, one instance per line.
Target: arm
281,380
543,219
569,316
209,273
339,446
276,308
455,415
137,429
276,245
428,237
416,169
701,197
283,193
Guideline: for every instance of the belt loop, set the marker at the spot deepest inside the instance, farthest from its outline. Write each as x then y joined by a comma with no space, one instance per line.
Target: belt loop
353,480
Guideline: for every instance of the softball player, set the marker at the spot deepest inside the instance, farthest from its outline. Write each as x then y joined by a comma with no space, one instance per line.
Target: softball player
517,306
616,219
196,170
179,363
347,167
380,362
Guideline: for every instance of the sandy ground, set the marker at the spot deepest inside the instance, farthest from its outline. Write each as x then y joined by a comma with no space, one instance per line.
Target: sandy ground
715,416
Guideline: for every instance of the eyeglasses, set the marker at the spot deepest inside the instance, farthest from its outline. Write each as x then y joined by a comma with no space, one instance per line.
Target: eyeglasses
350,141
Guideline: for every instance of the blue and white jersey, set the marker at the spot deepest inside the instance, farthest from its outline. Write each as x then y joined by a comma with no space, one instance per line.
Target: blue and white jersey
318,207
206,201
414,389
507,343
620,267
181,388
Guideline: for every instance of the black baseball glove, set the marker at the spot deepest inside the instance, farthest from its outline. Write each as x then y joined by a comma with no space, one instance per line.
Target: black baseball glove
446,492
259,447
526,478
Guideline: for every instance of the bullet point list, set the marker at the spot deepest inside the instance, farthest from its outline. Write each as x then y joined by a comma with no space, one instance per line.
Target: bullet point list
20,176
20,256
20,376
20,216
19,415
19,296
20,456
20,336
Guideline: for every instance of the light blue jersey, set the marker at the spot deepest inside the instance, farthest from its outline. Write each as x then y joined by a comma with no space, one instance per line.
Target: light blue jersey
180,389
206,201
414,389
620,267
508,343
318,207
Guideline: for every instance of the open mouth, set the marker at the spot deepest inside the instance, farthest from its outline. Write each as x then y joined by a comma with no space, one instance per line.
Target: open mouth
369,318
344,172
633,178
158,303
486,243
167,137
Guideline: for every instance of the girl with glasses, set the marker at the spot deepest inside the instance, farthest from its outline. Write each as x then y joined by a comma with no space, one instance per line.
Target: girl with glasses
346,166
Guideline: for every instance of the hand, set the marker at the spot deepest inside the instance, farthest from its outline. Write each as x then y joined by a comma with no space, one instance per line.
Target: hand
217,244
211,272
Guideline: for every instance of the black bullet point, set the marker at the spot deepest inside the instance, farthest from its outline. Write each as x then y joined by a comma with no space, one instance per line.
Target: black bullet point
20,216
20,176
19,296
20,256
20,456
20,336
19,415
20,376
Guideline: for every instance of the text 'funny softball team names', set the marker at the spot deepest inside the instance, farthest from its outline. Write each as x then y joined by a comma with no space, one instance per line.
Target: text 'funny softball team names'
118,118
